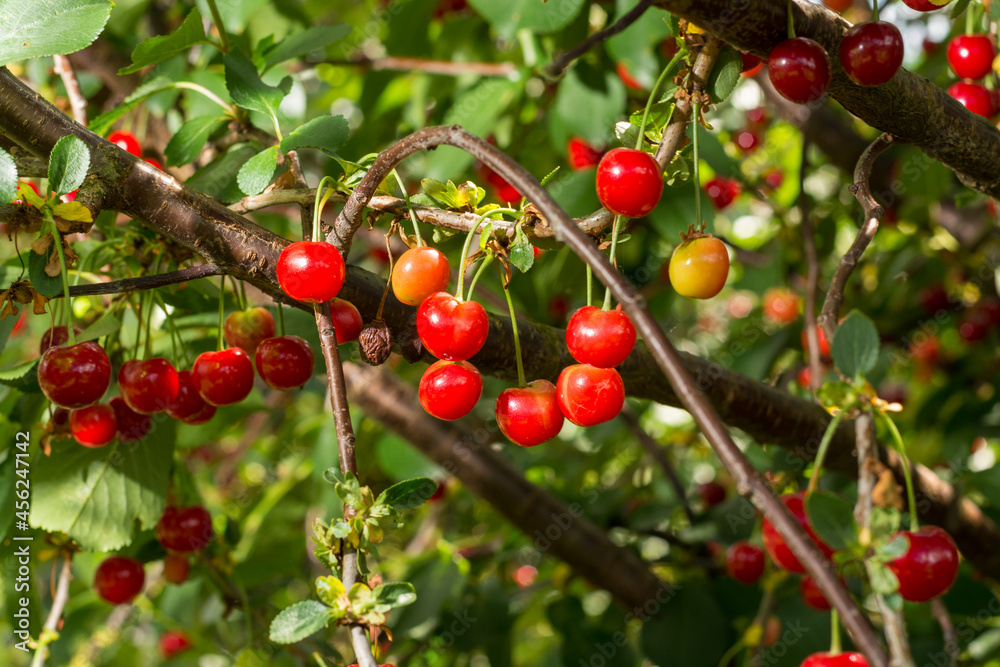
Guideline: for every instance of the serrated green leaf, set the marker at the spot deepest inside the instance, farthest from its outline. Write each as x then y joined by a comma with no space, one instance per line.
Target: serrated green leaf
101,124
305,42
883,580
408,494
959,7
46,285
256,173
96,495
396,594
248,91
893,549
8,178
725,75
68,164
856,345
24,377
329,588
185,146
157,49
49,27
297,622
832,518
218,178
507,18
327,133
361,598
522,252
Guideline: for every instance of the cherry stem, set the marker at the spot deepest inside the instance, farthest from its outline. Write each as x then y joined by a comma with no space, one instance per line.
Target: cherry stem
911,499
57,242
695,119
590,285
222,310
475,279
835,647
682,52
824,445
791,22
281,319
244,304
174,333
615,227
521,382
321,200
409,207
732,652
874,10
468,244
970,26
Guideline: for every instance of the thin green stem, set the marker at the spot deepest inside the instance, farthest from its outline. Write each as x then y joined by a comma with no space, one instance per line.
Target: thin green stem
824,445
217,19
590,285
321,200
874,10
206,92
57,242
791,22
175,335
732,652
652,94
222,311
468,244
521,382
138,327
281,319
835,646
244,304
911,499
695,116
475,279
615,228
413,215
970,24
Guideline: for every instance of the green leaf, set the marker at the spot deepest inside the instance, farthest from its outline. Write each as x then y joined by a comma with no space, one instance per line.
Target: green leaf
327,133
101,124
688,629
959,7
248,91
522,253
855,345
185,146
96,495
725,75
507,18
218,178
361,597
396,594
158,49
68,164
8,178
409,494
49,27
883,580
102,327
256,173
329,588
44,284
884,522
24,377
297,622
303,43
832,518
893,549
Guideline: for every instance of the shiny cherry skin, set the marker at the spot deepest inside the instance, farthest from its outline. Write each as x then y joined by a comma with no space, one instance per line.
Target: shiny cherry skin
174,642
57,335
189,407
93,426
126,141
971,56
602,338
588,395
629,182
699,267
74,376
775,543
285,362
347,321
824,344
824,659
247,328
925,5
119,579
148,386
722,191
450,328
529,415
450,389
711,494
311,271
176,568
581,155
812,595
418,273
781,305
185,529
929,566
132,426
871,53
973,97
224,377
745,562
751,64
799,69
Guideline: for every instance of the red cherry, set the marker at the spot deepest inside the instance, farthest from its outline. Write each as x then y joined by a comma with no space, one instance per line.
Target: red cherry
747,141
176,568
529,415
973,97
699,267
774,178
924,5
154,163
781,305
450,389
812,595
148,386
751,64
418,273
224,377
629,182
711,493
57,335
247,328
450,328
347,322
504,191
173,642
74,376
630,81
871,53
799,69
525,575
589,395
582,155
929,566
285,362
745,562
119,579
976,323
185,529
60,418
775,543
311,271
824,345
722,191
126,141
189,407
804,377
757,118
934,298
602,338
132,426
93,426
971,56
851,659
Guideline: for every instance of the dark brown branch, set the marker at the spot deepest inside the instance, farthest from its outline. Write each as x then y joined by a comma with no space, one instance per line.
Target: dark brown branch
563,60
428,66
144,282
77,102
653,449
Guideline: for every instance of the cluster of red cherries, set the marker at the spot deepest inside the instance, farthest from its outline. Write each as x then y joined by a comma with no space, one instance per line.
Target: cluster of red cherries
128,143
971,58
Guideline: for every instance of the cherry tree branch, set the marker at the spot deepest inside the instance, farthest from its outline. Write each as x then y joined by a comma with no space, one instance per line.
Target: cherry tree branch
445,67
812,273
55,614
562,60
77,102
143,282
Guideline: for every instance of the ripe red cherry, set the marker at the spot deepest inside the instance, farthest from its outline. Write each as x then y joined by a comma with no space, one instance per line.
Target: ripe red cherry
285,362
626,77
582,155
126,141
119,579
529,415
74,376
57,335
812,595
503,190
602,338
450,389
711,493
148,386
925,5
224,377
781,305
189,407
450,328
173,642
418,273
132,426
775,543
973,97
929,566
722,191
751,64
247,328
311,271
176,568
824,345
93,426
699,267
850,659
976,323
745,562
347,321
185,529
971,56
589,395
629,182
799,69
871,53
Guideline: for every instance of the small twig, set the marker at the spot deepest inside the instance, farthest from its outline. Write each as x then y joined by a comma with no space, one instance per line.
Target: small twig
812,273
563,59
58,604
144,282
77,102
943,618
445,67
653,449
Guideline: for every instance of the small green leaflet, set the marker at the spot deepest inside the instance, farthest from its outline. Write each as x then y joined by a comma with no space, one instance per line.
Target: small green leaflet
68,164
856,345
408,494
185,146
327,133
303,43
29,29
158,49
297,622
248,91
256,173
8,178
725,75
522,252
960,7
46,285
395,594
832,518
